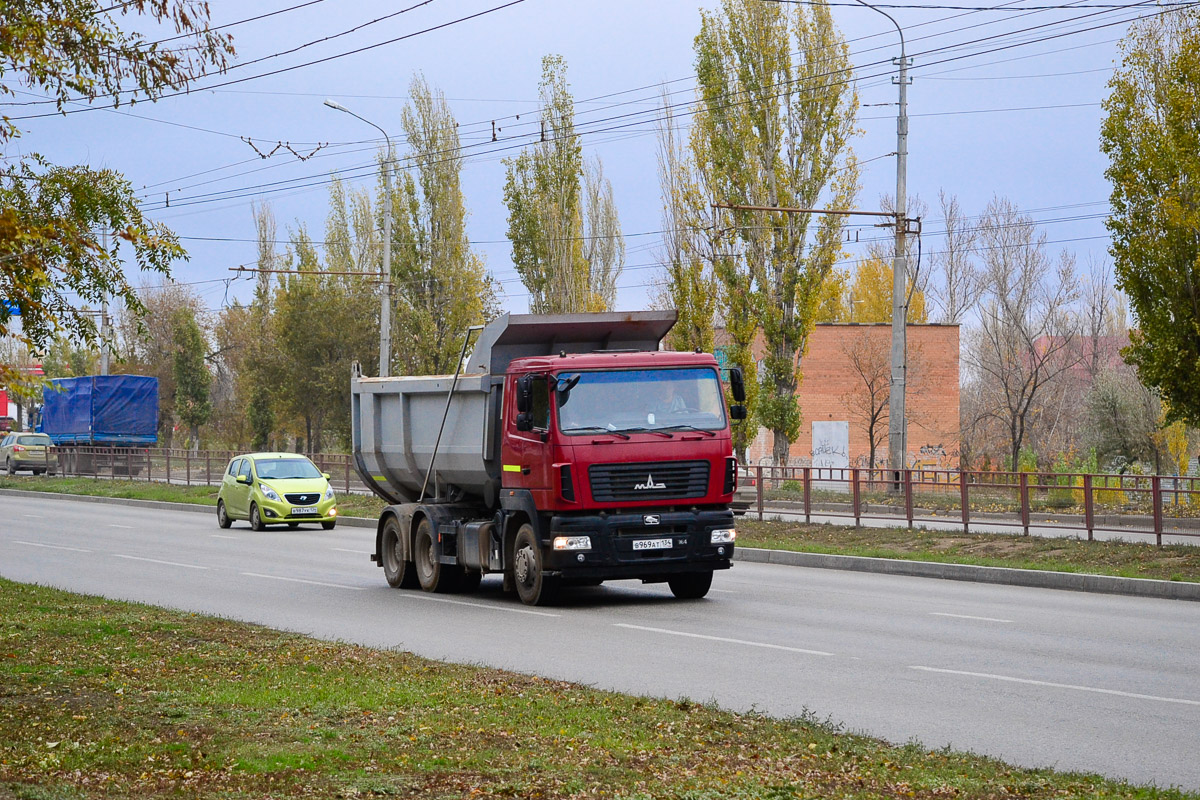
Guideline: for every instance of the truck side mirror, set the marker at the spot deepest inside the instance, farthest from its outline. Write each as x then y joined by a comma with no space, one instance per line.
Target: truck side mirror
524,397
525,421
737,385
737,411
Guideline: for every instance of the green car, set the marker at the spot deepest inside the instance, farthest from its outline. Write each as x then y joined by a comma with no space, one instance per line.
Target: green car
272,488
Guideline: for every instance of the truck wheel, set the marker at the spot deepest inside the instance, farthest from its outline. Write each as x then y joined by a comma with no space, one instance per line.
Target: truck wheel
400,574
433,575
534,586
256,522
690,585
222,517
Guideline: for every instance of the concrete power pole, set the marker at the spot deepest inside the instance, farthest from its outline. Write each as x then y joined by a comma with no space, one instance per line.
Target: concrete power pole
897,419
104,318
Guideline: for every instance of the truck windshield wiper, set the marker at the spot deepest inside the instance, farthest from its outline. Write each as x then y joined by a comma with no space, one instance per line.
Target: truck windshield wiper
659,431
594,429
685,426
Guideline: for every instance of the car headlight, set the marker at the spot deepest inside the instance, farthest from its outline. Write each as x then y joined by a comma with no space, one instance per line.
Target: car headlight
572,543
328,492
268,492
723,536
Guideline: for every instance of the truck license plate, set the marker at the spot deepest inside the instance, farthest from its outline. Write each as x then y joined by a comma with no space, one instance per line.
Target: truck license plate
300,512
652,544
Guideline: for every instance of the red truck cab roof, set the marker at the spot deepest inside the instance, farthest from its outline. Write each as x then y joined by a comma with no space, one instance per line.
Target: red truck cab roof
612,359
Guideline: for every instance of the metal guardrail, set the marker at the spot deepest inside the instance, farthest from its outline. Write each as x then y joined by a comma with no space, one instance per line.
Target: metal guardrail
1149,505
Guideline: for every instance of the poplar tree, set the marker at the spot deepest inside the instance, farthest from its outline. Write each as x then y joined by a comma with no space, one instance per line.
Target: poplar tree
562,219
1152,141
777,110
192,378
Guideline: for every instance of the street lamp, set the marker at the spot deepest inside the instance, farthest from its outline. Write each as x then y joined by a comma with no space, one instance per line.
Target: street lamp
897,423
385,305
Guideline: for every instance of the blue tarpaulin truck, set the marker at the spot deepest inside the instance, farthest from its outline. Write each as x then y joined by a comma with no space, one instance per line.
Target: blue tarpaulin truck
85,417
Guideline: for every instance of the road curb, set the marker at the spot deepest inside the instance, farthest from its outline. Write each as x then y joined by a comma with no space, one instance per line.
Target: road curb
1041,579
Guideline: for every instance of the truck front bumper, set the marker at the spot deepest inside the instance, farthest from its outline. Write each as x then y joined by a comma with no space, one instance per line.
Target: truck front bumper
634,545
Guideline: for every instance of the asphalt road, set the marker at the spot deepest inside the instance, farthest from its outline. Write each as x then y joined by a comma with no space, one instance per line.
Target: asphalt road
1037,677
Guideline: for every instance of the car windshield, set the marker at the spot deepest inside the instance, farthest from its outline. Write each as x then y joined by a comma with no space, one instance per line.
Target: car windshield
36,440
283,468
640,400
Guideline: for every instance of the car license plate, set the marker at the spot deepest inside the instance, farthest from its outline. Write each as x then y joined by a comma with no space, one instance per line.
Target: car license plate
301,512
652,544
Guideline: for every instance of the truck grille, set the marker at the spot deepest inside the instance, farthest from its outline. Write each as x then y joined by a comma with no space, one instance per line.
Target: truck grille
660,480
303,499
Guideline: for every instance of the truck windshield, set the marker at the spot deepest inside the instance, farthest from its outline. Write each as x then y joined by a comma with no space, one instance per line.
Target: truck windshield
640,400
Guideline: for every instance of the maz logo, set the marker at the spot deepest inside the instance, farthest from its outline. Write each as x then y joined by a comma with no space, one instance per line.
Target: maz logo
649,484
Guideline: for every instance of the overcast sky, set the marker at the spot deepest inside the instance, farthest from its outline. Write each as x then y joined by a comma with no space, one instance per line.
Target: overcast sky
1002,103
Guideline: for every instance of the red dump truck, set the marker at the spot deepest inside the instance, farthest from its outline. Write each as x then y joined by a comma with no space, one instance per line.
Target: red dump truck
568,450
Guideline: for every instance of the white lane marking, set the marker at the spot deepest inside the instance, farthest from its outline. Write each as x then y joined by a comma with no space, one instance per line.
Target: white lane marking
967,616
1051,685
33,516
221,536
484,606
126,527
723,591
51,546
347,550
724,639
302,580
157,561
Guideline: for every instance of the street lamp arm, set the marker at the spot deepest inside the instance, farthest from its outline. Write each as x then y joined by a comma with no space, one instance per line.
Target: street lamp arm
890,18
339,107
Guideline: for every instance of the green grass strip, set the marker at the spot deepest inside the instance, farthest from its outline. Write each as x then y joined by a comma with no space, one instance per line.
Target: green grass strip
110,699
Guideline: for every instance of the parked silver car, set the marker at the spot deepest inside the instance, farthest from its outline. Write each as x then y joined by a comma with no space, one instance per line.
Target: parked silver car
29,451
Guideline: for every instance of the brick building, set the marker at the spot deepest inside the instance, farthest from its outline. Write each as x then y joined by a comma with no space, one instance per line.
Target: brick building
844,363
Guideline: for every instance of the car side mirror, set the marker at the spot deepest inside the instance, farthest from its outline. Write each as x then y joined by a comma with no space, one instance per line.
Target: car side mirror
325,475
737,385
524,394
246,479
525,421
737,411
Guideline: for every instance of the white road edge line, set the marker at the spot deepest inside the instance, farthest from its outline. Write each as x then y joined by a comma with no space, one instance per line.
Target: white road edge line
723,639
157,561
1049,684
52,546
302,580
967,616
484,606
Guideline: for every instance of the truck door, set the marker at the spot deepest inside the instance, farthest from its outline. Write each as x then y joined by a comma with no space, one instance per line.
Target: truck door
526,454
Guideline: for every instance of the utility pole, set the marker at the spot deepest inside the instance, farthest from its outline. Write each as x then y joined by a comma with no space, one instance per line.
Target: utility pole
104,317
385,299
897,421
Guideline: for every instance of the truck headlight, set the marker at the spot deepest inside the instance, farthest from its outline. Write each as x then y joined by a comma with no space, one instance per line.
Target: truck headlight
572,543
269,493
723,536
328,492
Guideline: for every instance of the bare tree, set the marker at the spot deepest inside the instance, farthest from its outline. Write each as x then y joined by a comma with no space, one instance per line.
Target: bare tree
869,358
959,281
1027,327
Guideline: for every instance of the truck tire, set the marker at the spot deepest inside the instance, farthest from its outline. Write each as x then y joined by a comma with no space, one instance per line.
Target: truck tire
534,586
433,575
256,522
690,585
222,516
400,574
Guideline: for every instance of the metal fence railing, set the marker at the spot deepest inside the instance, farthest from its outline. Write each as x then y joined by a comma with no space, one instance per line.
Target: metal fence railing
1149,505
1142,505
185,467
